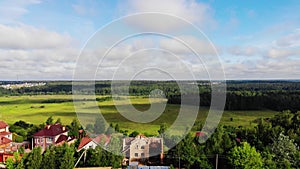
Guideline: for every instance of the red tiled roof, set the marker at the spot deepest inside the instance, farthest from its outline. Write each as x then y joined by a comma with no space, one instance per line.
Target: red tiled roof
84,141
100,137
51,130
4,140
2,124
61,138
3,133
200,134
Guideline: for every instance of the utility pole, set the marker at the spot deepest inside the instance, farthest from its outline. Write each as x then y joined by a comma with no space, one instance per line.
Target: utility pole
217,158
179,161
84,153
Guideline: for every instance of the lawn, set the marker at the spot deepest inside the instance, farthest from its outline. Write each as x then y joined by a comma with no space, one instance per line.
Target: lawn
36,109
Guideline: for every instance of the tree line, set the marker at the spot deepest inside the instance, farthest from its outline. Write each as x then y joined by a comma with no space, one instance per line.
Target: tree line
241,95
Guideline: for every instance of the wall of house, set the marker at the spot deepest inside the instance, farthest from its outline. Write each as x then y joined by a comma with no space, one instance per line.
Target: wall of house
91,144
139,149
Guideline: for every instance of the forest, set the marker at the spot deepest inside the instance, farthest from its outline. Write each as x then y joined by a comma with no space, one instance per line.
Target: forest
240,95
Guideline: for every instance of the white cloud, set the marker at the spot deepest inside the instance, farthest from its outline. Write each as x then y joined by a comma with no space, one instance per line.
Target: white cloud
10,11
86,7
290,40
32,53
244,51
263,69
201,46
28,37
195,12
279,52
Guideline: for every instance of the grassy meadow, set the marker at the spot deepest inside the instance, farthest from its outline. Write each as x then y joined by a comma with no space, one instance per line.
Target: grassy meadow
37,108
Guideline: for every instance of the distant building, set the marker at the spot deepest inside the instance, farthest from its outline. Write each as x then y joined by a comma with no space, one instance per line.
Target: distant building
143,149
5,137
55,134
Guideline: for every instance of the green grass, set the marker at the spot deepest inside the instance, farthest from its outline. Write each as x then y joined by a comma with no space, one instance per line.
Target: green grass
35,109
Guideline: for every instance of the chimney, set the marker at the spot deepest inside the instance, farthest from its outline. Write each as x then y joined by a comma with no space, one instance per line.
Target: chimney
48,126
63,128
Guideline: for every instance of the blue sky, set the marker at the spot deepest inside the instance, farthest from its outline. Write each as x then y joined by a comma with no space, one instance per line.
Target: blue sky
258,39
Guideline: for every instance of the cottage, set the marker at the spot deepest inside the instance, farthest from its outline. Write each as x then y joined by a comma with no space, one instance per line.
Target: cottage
142,149
5,137
55,134
87,142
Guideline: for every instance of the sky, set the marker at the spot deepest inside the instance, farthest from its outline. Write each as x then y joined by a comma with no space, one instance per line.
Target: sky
209,39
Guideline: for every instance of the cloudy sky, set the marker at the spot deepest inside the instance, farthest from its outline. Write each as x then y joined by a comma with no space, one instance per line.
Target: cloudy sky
50,39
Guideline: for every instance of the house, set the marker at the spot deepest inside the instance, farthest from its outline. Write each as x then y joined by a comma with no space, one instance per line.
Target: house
5,137
5,156
142,149
55,134
87,142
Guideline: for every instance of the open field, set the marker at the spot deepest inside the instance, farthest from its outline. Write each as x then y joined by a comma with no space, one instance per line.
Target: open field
36,109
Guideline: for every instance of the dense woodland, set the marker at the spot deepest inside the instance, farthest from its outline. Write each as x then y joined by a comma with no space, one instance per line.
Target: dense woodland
241,95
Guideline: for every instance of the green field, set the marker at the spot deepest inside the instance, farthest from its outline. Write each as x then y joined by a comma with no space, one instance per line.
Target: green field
36,109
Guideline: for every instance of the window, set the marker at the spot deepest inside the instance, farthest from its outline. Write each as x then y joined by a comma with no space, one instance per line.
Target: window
143,154
142,147
136,154
49,140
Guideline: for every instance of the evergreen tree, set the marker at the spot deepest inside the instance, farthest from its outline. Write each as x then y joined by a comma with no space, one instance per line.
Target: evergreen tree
99,126
74,128
50,120
58,121
117,128
34,159
110,129
49,157
67,160
162,129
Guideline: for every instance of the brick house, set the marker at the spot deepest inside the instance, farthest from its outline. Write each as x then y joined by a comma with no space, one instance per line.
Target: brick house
143,149
5,137
51,135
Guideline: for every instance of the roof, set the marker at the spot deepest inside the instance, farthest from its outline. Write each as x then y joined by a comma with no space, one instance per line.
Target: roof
200,134
3,124
4,140
51,130
4,133
84,141
131,140
61,138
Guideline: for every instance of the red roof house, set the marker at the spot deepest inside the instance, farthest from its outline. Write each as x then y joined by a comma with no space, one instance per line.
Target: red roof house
5,137
87,142
50,135
3,124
